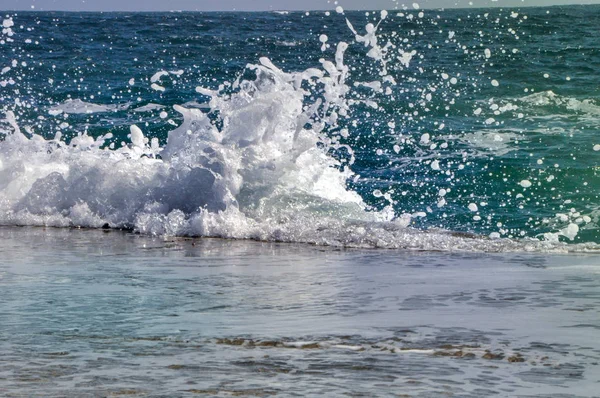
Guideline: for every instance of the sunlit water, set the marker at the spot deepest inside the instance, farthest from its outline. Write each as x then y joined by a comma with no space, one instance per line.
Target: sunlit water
88,313
354,129
466,141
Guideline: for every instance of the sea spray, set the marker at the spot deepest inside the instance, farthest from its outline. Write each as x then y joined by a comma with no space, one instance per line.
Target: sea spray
206,181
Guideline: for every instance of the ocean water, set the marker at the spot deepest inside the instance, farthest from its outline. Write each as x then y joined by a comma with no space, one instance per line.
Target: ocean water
391,129
341,203
120,314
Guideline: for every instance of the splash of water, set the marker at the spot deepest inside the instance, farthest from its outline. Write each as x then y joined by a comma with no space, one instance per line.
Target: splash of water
256,165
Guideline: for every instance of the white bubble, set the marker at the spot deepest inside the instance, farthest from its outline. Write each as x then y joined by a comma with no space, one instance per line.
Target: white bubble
570,231
495,83
597,147
473,207
416,6
339,10
525,183
7,23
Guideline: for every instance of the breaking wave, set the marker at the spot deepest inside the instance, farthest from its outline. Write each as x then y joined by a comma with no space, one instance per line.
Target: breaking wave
261,162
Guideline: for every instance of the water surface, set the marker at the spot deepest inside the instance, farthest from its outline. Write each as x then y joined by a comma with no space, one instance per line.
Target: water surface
92,313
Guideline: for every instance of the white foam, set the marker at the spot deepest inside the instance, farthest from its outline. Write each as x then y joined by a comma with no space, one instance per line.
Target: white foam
158,75
157,87
287,43
77,106
243,181
148,108
550,98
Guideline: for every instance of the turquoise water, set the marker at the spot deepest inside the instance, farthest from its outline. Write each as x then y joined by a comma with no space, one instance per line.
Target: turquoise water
88,313
481,121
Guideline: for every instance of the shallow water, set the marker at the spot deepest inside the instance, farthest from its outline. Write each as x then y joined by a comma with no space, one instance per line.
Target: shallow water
93,313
